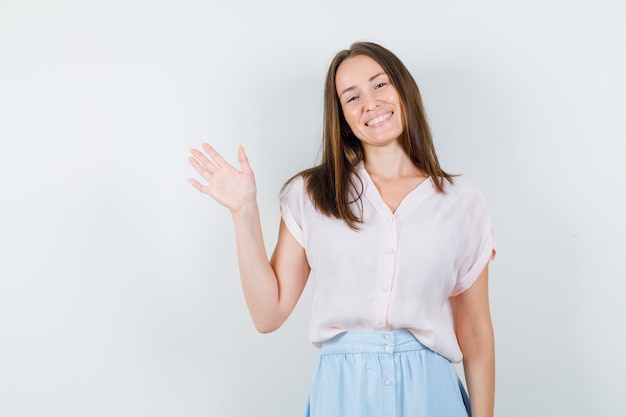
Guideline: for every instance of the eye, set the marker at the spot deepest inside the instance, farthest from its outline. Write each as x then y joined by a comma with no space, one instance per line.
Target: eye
350,99
380,85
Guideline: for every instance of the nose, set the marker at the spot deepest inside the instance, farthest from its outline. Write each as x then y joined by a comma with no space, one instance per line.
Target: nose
370,101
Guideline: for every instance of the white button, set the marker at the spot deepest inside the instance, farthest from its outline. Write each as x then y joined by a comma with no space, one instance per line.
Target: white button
390,250
385,288
390,220
387,382
381,326
387,337
388,348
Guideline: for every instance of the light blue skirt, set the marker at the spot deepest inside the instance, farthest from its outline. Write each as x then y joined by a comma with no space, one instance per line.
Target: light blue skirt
384,374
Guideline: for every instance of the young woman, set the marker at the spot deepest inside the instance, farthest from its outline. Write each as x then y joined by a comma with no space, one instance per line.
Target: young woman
397,248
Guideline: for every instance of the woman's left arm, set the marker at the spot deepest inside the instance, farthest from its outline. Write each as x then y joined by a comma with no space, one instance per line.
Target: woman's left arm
474,331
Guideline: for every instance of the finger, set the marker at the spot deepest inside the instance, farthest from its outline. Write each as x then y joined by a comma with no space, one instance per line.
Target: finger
219,160
204,161
196,184
206,174
243,160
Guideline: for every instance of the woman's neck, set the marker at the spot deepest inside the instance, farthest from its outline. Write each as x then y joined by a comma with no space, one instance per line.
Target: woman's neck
390,163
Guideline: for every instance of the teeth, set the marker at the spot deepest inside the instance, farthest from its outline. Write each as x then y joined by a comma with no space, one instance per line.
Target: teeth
378,119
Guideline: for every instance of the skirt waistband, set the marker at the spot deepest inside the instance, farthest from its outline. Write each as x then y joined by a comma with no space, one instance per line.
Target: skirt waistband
372,342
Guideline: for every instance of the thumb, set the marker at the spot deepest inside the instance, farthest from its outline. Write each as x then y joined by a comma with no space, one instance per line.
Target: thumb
243,160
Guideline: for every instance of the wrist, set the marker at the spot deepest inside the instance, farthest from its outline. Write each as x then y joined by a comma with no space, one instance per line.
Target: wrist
245,211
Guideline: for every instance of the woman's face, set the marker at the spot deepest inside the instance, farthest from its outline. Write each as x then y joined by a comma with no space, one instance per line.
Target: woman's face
371,105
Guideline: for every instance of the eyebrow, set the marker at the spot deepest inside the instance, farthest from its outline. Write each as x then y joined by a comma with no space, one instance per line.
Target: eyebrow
372,78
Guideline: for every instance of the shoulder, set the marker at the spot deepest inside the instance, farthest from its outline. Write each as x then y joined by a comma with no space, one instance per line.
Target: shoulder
294,188
461,187
294,192
464,194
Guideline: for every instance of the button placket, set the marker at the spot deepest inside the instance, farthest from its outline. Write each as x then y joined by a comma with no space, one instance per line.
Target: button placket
387,268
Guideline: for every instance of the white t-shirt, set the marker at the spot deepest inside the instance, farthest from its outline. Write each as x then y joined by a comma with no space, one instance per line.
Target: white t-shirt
399,269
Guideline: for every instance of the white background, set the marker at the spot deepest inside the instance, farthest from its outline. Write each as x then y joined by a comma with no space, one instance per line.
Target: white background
119,293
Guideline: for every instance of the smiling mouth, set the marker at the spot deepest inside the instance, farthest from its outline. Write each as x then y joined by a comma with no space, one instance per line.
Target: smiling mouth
378,120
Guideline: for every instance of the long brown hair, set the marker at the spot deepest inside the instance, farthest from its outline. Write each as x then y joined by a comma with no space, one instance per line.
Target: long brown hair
332,185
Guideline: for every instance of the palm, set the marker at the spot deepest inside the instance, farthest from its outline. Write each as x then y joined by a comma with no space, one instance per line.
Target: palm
232,188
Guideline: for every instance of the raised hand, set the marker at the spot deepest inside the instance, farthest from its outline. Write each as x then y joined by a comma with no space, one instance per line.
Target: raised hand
232,188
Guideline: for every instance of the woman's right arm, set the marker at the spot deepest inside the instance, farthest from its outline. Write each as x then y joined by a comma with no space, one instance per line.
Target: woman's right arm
271,287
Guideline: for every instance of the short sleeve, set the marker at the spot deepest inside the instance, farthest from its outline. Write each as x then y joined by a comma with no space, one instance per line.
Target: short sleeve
476,247
292,209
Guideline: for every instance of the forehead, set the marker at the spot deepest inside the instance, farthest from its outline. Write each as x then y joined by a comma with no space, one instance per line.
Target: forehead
356,70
